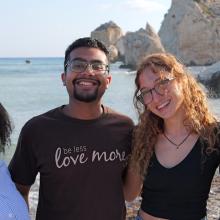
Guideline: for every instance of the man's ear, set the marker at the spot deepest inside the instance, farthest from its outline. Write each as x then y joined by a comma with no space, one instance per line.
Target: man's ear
109,79
63,77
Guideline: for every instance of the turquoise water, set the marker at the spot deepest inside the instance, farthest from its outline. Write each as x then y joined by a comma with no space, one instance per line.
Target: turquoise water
27,90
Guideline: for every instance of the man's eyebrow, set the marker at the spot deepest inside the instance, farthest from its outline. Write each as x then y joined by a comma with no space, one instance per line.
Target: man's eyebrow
78,58
81,59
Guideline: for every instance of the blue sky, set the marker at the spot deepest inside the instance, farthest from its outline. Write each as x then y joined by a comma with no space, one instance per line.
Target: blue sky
44,28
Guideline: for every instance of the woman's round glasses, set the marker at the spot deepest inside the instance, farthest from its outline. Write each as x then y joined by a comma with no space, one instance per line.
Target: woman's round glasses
145,96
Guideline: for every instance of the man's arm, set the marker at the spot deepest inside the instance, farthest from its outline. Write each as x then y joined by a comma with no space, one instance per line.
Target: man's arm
24,190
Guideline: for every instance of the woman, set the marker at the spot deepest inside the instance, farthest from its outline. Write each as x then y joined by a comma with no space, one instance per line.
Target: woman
176,148
12,205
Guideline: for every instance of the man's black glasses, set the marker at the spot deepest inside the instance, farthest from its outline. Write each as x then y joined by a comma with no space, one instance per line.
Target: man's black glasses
79,66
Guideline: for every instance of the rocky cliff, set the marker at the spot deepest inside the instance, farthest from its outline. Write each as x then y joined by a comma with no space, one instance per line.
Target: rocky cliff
191,31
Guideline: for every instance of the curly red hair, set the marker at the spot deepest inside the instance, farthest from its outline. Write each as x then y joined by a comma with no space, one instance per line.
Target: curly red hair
198,118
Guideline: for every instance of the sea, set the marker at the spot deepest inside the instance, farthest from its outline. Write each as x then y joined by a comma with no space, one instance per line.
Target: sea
31,88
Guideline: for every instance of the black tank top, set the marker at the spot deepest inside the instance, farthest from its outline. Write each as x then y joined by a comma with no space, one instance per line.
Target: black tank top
180,192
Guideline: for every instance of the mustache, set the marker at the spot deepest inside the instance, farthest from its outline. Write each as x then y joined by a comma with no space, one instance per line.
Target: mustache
75,81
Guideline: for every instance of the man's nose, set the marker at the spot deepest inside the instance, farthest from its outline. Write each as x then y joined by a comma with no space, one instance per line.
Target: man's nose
89,69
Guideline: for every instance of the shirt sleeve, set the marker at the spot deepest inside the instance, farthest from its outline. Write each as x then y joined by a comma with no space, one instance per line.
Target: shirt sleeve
12,205
23,165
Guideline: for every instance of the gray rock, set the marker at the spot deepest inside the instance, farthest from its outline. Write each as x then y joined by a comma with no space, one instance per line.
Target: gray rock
139,44
191,31
213,85
208,71
109,33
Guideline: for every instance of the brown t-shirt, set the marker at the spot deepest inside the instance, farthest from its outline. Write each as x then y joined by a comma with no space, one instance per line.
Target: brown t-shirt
81,164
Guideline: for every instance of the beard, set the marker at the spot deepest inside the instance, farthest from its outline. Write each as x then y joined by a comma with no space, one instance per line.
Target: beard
85,97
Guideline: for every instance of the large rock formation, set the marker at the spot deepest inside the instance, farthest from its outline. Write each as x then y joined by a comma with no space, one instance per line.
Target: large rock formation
109,33
191,31
139,44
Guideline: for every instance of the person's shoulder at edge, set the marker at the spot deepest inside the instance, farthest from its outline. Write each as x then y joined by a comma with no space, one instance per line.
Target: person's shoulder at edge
10,199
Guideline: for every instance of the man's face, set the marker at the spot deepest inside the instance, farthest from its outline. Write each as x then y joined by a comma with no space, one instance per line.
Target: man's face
88,85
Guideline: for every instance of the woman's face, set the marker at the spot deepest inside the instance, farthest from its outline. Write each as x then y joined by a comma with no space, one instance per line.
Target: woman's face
161,93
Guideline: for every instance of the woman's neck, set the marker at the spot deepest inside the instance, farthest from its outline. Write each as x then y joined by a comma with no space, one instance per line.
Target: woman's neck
176,124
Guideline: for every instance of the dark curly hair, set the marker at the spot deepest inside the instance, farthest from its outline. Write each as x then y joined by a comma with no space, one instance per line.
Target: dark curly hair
5,128
84,42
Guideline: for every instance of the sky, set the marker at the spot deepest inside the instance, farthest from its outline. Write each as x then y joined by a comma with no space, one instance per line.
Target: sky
44,28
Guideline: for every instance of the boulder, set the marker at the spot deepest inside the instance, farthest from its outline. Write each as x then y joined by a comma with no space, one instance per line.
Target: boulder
215,82
207,72
191,31
210,78
109,33
213,85
113,53
120,46
139,44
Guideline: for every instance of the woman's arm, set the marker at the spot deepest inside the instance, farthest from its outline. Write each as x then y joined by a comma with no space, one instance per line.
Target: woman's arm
132,184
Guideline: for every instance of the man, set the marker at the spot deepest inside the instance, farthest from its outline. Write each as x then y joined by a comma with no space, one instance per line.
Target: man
79,149
12,205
